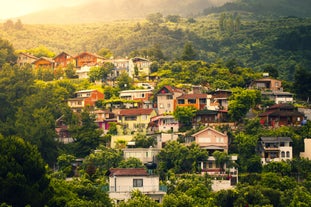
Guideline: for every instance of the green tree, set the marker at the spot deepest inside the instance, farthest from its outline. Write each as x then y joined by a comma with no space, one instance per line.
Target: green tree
139,199
302,83
105,52
155,18
184,116
124,81
221,158
131,162
144,141
7,54
41,51
241,101
188,52
22,174
86,136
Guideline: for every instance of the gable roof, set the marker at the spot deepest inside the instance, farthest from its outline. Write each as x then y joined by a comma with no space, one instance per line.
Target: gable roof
206,129
137,112
170,89
28,55
61,54
127,172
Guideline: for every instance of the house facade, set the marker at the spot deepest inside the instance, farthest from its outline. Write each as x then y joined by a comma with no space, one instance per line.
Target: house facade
134,120
44,62
142,64
25,58
211,140
267,84
166,97
145,155
307,152
278,97
275,149
122,181
87,58
198,101
163,123
281,115
103,118
84,98
62,60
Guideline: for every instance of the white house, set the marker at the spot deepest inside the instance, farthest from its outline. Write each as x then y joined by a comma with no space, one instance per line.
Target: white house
275,149
122,181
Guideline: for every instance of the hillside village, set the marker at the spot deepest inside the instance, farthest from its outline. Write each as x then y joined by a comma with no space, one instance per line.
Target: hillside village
151,111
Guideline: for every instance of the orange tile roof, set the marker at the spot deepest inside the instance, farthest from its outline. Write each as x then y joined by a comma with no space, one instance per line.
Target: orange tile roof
139,111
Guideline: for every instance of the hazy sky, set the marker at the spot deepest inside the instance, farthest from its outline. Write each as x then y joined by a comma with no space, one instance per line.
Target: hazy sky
15,8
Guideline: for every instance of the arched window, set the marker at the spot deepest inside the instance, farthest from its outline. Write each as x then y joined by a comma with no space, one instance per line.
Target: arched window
282,154
287,154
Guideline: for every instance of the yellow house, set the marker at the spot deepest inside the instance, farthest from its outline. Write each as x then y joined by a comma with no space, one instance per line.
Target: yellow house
134,120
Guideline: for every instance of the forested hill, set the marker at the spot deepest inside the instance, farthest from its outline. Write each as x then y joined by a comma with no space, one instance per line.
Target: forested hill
284,44
272,8
107,10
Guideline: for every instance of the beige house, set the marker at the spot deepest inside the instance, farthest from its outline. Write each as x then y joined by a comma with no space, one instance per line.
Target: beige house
166,99
134,120
143,66
211,140
25,58
307,153
275,149
122,181
163,123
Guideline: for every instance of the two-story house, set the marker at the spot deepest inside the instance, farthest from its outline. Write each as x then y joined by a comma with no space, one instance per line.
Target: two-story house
84,98
199,101
134,120
142,65
275,149
121,66
25,58
281,115
122,181
278,96
163,123
141,96
63,59
212,140
166,99
267,84
87,58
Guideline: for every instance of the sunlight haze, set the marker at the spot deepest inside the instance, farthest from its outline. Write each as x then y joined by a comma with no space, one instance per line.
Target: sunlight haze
16,8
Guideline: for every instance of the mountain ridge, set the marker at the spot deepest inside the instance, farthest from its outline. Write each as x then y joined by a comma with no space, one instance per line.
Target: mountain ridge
101,11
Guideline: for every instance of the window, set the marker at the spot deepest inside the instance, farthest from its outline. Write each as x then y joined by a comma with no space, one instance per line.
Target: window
282,154
130,118
138,183
169,97
181,101
161,106
192,101
219,139
287,154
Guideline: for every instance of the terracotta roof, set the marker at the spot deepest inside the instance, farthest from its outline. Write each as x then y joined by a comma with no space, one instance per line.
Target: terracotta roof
139,111
281,113
91,54
28,55
44,58
61,54
189,96
127,172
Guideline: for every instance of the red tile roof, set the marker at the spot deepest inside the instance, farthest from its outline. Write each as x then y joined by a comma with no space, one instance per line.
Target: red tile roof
139,111
127,172
192,96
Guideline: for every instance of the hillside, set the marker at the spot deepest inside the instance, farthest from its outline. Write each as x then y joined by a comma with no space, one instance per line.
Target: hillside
106,10
272,8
